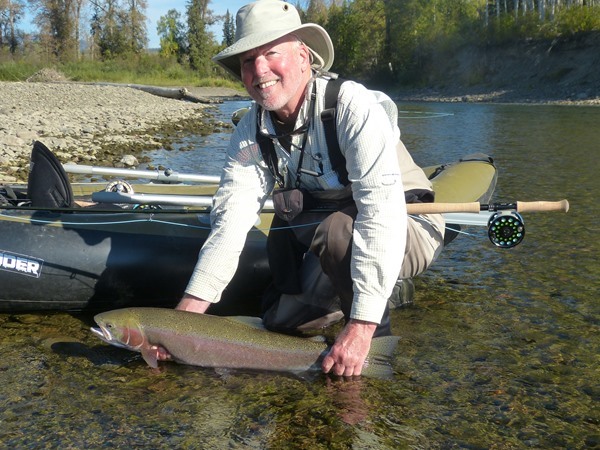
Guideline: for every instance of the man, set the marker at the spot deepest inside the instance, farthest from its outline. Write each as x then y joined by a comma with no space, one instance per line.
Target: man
321,262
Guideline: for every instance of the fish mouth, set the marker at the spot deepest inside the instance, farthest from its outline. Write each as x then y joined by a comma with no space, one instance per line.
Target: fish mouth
105,336
102,333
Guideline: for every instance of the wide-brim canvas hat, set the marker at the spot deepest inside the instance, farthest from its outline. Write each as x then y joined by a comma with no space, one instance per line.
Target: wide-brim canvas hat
265,21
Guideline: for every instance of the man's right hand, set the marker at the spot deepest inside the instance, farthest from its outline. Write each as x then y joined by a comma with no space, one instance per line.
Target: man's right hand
187,303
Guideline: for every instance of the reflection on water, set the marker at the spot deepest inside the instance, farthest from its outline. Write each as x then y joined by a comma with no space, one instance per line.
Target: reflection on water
499,351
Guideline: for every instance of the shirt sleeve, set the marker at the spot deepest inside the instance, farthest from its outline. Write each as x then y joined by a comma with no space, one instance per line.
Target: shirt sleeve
243,190
368,140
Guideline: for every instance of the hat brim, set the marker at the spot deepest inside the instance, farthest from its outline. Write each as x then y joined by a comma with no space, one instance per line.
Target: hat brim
314,37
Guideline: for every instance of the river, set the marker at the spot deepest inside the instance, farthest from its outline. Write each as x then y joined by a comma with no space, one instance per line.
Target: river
500,349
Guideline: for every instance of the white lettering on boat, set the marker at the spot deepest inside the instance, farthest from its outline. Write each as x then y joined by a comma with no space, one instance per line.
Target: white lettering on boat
25,265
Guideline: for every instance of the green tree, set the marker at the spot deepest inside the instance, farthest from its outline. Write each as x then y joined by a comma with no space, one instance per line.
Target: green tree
57,27
119,28
11,12
135,25
228,29
172,34
415,27
200,41
357,30
316,12
111,39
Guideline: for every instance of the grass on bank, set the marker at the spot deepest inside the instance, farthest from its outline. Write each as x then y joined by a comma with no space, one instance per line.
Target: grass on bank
147,69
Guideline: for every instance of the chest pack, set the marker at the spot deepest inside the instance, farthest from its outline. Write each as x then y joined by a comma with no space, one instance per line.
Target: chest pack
328,117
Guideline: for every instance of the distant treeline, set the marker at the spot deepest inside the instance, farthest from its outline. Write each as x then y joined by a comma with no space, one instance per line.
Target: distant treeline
377,40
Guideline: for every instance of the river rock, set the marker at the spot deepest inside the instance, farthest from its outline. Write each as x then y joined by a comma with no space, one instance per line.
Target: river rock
129,161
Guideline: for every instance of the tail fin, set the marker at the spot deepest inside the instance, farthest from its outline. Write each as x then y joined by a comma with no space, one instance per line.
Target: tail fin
379,359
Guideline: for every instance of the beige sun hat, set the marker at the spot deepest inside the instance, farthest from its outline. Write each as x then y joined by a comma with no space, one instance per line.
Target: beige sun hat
264,21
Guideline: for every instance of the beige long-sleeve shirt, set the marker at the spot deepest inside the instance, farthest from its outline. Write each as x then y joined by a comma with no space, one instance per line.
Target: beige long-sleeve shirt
368,137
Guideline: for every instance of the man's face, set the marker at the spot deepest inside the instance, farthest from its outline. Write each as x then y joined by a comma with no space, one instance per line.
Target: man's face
275,75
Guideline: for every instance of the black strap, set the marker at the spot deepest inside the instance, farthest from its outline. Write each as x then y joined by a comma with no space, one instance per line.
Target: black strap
267,148
329,119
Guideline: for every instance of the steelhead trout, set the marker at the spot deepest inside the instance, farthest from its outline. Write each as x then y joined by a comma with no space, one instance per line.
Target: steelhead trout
225,342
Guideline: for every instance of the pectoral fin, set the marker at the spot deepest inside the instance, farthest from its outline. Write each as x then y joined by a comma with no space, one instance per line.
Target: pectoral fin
149,353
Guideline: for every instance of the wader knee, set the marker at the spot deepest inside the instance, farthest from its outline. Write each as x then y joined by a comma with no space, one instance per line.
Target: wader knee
285,254
333,245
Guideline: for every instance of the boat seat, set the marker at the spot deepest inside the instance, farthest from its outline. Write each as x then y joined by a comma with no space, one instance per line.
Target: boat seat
48,185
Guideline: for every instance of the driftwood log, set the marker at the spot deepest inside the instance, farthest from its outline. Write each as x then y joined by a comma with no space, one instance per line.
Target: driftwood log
175,93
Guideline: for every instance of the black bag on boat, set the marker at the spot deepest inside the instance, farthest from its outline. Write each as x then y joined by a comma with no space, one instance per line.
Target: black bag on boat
48,184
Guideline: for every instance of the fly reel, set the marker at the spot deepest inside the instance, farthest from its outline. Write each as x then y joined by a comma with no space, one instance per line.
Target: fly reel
120,186
506,229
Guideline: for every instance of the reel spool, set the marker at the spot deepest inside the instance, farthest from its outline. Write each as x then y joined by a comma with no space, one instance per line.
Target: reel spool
120,186
506,229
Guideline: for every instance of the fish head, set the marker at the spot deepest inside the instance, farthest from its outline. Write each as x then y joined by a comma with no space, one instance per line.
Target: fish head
120,328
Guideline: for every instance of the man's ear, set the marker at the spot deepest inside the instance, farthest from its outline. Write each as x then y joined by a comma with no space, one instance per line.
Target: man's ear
306,56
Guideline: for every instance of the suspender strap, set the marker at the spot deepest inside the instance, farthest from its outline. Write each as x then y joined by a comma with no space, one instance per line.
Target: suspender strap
329,119
267,148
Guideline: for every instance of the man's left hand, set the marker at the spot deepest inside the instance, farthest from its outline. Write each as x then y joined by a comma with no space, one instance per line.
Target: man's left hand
347,356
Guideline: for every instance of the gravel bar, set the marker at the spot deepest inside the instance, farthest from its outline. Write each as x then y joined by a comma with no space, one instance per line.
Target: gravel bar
79,122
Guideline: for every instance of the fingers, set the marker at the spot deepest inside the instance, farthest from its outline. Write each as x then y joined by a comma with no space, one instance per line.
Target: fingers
349,352
329,365
161,353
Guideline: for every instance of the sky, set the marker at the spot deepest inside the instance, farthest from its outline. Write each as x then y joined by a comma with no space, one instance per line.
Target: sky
158,8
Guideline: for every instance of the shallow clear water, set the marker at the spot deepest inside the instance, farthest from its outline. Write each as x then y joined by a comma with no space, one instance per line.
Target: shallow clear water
201,154
499,351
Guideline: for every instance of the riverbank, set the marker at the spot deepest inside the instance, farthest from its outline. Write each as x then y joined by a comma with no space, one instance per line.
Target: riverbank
92,124
492,95
562,70
101,125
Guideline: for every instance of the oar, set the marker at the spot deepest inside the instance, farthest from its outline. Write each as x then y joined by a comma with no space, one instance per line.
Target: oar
167,175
